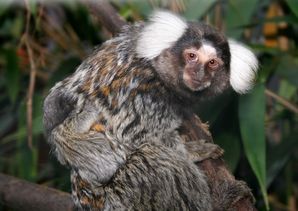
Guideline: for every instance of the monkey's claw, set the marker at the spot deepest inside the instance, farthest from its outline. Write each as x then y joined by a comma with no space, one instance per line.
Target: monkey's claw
201,150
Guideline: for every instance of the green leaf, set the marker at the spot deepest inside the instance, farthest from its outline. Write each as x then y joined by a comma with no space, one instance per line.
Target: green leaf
209,110
65,68
12,27
33,7
16,27
37,129
12,74
37,123
239,13
5,5
287,69
251,113
145,8
25,158
293,4
278,156
6,119
230,143
286,89
196,9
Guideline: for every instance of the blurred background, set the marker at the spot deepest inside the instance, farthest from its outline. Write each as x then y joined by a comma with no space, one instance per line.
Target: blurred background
43,42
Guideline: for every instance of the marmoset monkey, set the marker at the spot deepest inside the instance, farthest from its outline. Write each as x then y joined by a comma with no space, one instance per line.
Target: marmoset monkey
115,121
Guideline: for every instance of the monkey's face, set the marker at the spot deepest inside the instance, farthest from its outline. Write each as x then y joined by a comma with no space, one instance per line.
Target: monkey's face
194,59
200,67
197,65
204,59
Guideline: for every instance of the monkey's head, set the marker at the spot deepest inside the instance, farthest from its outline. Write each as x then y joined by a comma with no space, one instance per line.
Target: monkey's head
194,59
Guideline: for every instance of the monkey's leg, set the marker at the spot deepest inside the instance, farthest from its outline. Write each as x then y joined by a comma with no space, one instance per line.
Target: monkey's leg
153,178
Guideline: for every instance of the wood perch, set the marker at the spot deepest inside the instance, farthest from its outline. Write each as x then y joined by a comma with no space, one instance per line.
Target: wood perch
22,195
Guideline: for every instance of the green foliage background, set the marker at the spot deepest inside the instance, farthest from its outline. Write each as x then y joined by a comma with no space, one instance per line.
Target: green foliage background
258,132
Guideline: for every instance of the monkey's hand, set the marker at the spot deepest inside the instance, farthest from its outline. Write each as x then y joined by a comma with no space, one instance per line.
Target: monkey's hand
201,150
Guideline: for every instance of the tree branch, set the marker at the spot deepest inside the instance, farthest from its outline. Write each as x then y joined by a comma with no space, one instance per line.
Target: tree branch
219,178
282,101
104,13
22,195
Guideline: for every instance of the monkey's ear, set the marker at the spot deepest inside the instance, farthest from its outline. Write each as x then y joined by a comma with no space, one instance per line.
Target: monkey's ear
161,32
244,65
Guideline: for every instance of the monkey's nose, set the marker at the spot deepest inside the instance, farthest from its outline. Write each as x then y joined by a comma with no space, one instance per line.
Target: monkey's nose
200,74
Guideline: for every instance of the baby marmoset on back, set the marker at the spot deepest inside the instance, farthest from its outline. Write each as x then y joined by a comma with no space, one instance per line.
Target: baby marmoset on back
115,121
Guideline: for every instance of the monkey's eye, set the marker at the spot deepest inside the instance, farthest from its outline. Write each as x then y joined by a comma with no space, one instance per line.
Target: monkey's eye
191,56
213,64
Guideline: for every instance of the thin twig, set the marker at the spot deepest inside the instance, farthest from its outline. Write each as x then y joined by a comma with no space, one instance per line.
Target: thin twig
32,76
177,6
218,19
282,101
66,38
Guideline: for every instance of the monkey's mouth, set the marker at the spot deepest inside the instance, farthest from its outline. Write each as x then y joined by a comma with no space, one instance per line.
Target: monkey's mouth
197,85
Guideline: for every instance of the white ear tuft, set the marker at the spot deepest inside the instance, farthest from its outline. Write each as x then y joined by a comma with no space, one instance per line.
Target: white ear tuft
162,31
244,65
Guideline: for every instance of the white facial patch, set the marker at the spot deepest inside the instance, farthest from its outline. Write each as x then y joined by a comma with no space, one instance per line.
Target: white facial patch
208,49
162,31
206,52
244,66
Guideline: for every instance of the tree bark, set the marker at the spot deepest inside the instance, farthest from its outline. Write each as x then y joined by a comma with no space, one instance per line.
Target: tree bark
220,180
22,195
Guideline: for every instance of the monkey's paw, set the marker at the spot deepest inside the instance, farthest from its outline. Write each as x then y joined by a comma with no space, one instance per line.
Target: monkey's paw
201,150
